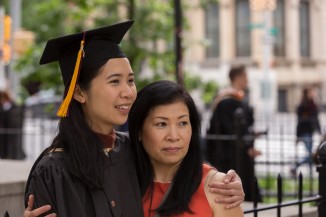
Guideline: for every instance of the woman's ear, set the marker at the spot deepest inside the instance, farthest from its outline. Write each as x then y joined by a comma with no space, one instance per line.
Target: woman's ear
79,95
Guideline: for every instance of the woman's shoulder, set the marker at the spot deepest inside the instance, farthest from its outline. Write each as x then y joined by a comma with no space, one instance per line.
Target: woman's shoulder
212,175
50,168
53,160
216,176
218,208
207,168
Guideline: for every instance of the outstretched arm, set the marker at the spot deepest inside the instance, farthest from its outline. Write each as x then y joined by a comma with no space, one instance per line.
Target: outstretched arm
29,212
230,189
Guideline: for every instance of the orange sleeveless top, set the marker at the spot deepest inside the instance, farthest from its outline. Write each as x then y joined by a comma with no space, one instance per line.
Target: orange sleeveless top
198,203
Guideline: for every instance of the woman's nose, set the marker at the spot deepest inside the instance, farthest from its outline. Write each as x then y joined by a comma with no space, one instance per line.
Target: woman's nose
127,92
173,134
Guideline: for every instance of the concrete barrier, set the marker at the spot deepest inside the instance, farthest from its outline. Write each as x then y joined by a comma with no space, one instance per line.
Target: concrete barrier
13,176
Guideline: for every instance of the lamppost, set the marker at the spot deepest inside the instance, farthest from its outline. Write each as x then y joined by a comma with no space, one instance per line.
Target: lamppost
267,7
3,79
178,40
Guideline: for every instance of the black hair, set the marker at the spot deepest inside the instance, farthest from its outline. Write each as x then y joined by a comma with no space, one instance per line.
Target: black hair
188,177
236,71
82,147
305,95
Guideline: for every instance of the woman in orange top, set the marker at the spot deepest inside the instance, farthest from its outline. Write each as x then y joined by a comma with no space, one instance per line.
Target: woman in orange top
167,150
165,135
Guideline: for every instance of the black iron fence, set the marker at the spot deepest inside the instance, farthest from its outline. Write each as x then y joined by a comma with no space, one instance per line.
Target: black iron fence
319,199
24,134
300,195
281,150
279,147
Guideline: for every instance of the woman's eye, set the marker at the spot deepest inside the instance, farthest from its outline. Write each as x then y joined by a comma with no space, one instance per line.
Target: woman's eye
184,123
114,82
160,124
131,81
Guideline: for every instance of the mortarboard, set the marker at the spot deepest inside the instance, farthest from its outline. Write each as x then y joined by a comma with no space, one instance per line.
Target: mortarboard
81,50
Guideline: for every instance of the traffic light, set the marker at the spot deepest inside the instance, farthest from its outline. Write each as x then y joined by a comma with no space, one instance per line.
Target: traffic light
7,28
6,48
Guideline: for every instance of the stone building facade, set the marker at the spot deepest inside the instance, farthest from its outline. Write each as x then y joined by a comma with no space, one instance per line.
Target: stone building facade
284,49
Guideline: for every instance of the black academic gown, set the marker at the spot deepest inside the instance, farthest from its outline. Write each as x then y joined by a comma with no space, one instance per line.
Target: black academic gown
233,117
11,141
221,153
51,183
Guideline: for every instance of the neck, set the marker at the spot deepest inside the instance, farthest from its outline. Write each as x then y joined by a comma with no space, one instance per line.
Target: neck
237,86
102,130
164,173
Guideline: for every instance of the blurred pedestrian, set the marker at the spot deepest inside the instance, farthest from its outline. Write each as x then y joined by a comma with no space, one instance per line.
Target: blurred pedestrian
233,120
307,124
11,124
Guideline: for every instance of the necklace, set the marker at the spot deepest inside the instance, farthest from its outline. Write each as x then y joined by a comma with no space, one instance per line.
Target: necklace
167,182
108,142
107,150
163,182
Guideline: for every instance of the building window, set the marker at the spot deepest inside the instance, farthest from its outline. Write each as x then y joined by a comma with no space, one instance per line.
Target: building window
278,30
282,100
304,28
212,30
243,36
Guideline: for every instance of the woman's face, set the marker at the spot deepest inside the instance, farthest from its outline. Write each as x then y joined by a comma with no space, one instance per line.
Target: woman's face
166,134
243,80
112,92
311,93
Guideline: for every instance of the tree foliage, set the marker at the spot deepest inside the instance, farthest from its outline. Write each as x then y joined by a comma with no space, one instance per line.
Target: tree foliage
150,42
53,18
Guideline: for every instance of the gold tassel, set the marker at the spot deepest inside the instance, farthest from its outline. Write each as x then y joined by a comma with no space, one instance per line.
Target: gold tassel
63,109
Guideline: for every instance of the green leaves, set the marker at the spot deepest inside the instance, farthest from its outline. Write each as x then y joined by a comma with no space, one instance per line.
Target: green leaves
149,44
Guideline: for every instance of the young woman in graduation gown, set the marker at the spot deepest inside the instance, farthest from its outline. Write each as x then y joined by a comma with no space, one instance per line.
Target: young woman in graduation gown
88,170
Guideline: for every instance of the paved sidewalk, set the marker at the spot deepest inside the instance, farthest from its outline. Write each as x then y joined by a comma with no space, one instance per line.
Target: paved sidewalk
289,211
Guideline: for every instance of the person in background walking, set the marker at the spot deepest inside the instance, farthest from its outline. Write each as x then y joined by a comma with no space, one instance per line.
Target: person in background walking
308,123
233,119
11,124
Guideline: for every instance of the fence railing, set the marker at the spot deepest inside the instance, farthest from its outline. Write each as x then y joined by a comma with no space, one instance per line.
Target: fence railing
302,197
320,198
37,134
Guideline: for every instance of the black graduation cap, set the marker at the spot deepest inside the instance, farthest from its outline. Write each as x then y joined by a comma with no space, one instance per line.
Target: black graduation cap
100,44
81,50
